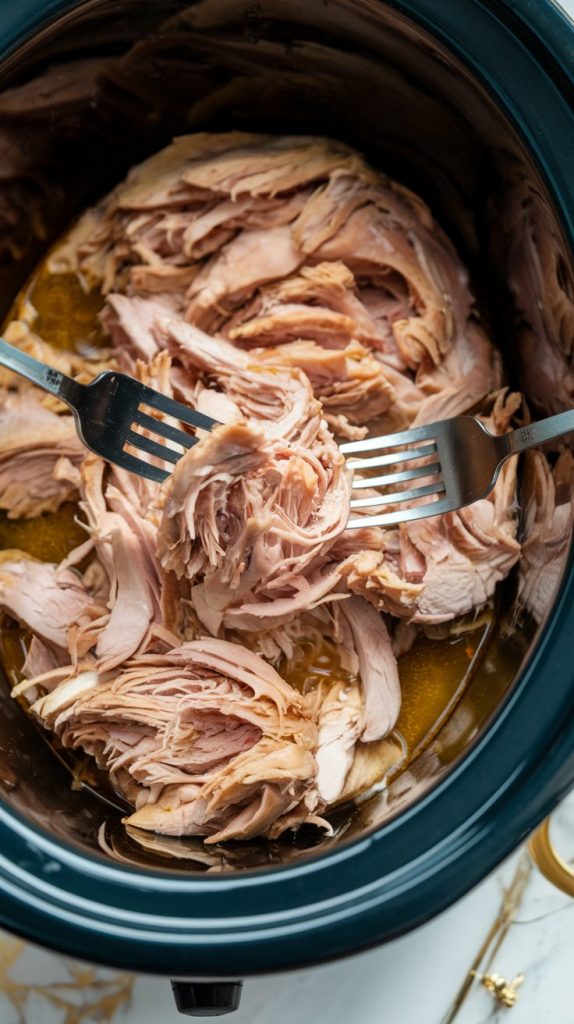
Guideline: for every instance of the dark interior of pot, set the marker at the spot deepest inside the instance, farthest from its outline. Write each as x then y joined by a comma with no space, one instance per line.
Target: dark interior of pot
111,82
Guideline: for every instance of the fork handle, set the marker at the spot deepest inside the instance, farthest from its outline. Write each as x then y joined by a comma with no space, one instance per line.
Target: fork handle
537,433
45,377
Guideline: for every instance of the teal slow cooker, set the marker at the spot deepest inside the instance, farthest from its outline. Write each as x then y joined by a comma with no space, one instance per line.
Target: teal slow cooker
471,102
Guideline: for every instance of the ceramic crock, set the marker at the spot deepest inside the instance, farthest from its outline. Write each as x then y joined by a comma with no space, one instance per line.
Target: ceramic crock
466,101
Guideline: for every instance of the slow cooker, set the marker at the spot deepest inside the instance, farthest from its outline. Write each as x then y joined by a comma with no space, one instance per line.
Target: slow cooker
471,103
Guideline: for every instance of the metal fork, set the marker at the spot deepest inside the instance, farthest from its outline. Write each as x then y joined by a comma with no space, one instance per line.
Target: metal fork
109,411
458,458
456,461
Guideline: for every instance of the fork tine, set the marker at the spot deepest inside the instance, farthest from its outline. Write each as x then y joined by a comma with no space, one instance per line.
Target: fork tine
164,429
172,408
396,478
127,461
393,457
434,508
396,496
371,444
145,444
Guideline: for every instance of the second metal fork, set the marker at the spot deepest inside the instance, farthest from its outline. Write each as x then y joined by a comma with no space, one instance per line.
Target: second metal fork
453,462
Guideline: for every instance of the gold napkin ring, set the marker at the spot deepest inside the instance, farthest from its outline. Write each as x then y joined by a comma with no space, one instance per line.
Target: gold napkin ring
548,860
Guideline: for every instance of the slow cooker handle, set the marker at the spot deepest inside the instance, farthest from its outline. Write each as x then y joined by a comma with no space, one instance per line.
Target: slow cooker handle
207,998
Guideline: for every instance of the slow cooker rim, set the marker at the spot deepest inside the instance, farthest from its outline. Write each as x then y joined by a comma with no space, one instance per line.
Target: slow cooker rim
554,773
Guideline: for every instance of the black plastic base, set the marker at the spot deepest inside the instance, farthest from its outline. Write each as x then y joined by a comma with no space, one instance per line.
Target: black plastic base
207,998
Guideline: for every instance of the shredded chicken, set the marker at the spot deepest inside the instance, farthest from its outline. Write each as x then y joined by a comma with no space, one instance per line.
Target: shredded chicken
250,521
50,601
431,570
548,520
299,241
298,296
205,739
40,456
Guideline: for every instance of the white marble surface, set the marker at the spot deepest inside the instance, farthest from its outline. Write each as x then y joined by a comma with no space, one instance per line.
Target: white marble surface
414,980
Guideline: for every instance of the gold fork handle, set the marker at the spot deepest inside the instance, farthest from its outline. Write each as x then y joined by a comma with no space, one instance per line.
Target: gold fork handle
548,861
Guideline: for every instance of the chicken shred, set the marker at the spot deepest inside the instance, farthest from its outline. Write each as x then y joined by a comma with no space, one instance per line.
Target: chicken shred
298,296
